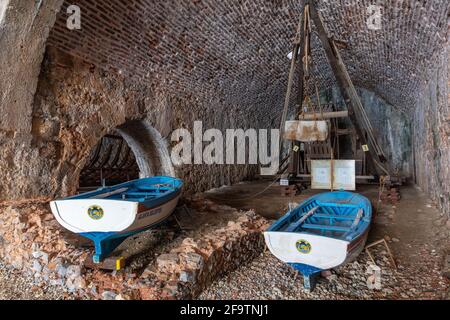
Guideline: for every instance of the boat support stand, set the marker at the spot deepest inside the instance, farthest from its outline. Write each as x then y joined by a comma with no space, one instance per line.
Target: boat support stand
309,273
105,243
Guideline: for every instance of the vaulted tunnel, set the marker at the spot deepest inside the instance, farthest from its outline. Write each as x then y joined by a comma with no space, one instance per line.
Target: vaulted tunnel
180,62
132,150
97,104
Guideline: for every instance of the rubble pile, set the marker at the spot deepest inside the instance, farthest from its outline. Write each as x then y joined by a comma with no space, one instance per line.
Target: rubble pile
32,241
190,267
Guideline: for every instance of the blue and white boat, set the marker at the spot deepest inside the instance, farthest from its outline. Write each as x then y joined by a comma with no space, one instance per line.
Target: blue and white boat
324,232
109,215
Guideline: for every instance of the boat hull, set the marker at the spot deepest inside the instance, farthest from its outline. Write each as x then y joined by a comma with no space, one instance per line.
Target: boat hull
118,216
108,216
325,253
324,232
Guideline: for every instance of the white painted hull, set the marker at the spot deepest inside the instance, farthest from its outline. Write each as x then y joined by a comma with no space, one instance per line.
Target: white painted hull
118,216
325,253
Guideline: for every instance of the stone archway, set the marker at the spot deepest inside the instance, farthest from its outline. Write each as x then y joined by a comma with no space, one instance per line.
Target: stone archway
131,150
149,147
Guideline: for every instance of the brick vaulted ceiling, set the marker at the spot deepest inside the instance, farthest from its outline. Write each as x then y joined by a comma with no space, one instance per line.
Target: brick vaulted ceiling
197,45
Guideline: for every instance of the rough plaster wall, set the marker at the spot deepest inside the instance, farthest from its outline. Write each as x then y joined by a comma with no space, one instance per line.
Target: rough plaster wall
392,127
432,136
77,103
24,27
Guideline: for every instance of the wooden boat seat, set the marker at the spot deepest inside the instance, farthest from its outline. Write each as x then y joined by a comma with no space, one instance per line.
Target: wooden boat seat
332,204
294,225
334,216
109,194
153,190
325,227
163,186
137,195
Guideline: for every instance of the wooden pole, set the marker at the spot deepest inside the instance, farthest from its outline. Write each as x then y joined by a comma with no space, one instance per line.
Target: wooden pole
351,99
294,159
290,81
324,115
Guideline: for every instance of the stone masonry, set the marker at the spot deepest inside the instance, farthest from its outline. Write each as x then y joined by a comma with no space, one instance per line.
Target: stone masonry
168,63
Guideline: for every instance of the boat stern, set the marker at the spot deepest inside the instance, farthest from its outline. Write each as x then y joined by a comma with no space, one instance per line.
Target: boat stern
306,249
94,215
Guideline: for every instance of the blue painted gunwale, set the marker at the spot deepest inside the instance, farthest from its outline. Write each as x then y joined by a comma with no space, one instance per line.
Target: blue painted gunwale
106,242
336,208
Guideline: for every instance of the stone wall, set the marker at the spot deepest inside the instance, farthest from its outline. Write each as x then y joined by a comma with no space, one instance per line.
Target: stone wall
77,103
169,63
191,266
392,127
432,136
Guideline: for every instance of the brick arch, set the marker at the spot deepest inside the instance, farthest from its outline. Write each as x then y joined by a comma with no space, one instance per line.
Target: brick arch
131,150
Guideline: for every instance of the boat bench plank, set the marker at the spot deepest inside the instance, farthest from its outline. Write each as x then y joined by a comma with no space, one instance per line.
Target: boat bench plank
296,224
325,227
153,190
333,204
138,194
334,216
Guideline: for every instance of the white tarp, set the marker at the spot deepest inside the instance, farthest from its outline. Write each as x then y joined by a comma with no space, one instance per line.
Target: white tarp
306,130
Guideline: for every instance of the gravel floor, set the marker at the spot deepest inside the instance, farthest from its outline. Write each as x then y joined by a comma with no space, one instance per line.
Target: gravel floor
268,278
416,234
16,286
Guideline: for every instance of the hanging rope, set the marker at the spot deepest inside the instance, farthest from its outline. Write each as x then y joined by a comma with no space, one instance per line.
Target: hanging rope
380,192
318,100
278,176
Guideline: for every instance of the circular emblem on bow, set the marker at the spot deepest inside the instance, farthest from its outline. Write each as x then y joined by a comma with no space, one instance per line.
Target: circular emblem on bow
95,212
303,246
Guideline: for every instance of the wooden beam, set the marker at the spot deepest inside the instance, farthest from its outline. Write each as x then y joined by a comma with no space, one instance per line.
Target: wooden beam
324,115
290,80
294,155
347,90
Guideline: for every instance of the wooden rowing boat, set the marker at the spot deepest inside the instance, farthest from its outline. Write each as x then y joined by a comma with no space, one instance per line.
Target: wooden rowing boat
109,215
323,232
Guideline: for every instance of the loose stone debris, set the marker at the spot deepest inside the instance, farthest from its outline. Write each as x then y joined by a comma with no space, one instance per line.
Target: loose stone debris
185,263
267,278
197,255
33,242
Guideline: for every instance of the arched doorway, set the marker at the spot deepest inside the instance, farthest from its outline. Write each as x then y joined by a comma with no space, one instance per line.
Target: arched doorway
132,150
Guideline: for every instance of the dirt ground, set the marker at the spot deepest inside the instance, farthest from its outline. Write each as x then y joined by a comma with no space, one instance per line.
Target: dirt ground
414,229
